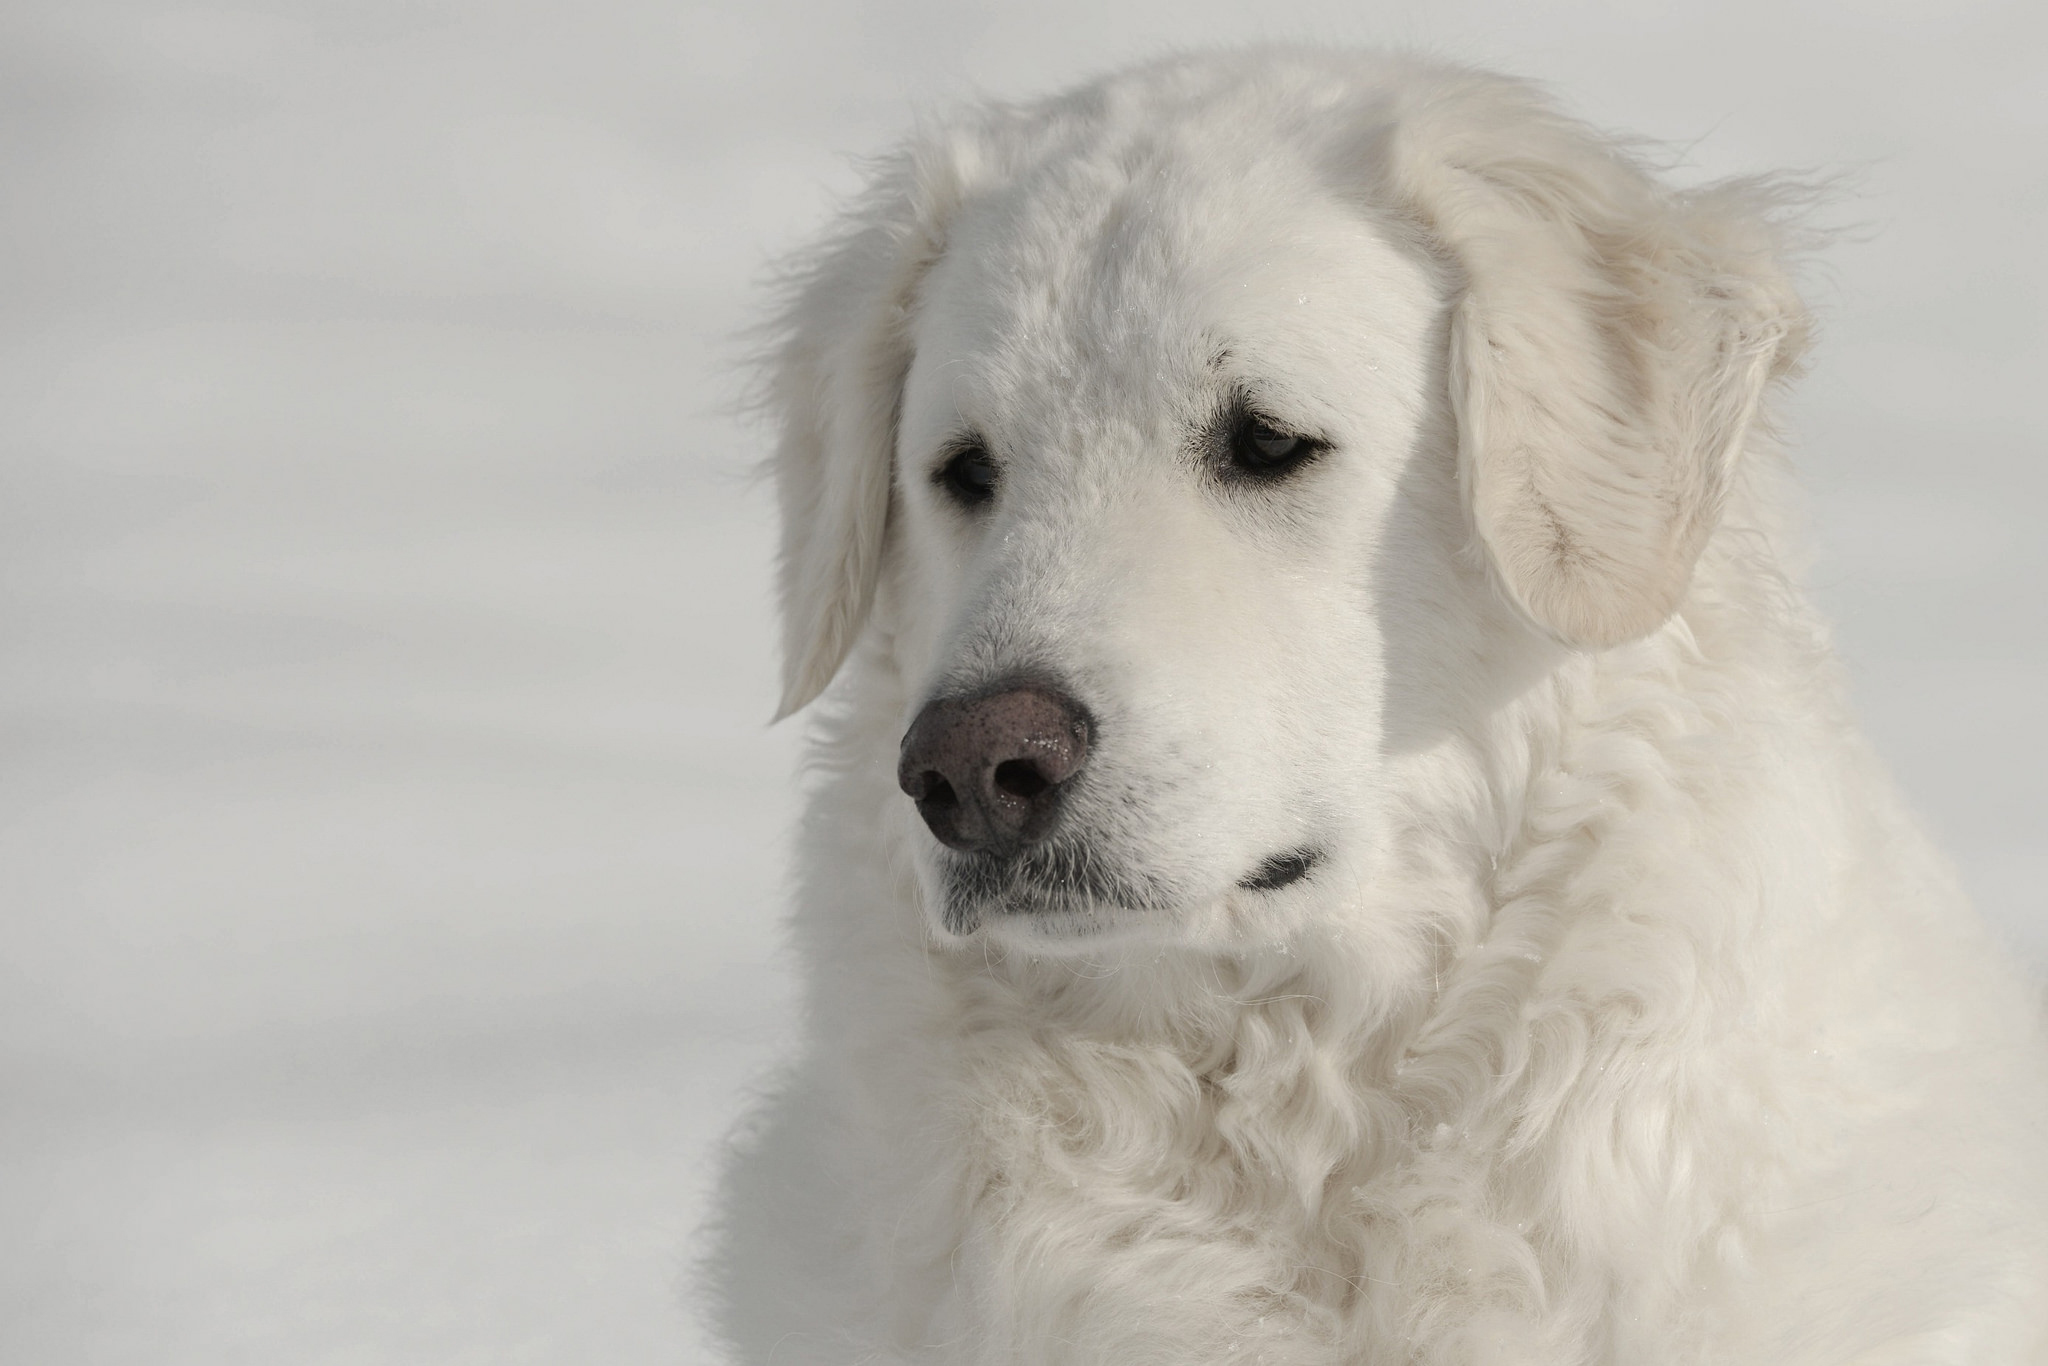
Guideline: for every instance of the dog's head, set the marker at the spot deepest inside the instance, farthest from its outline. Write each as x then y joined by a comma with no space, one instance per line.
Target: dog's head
1216,443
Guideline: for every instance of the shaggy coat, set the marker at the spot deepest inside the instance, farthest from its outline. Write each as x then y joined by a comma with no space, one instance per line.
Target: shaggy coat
1622,1015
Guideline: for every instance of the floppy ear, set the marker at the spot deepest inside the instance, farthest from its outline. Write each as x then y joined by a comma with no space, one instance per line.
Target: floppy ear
1607,355
834,377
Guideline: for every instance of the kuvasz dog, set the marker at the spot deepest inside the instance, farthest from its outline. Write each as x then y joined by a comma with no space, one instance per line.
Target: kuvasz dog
1334,834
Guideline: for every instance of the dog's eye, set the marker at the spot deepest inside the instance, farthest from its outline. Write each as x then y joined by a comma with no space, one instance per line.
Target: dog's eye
970,476
1269,447
1261,448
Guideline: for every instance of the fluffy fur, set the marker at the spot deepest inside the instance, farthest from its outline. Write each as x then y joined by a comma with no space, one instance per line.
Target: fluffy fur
1625,1016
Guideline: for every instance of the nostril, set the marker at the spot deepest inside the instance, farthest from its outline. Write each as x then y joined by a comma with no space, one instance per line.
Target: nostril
1020,778
935,791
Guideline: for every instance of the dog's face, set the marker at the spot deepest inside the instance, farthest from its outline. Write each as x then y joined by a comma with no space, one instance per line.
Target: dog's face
1156,445
1213,453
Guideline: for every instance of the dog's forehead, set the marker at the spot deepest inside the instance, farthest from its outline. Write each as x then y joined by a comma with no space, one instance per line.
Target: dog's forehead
1138,284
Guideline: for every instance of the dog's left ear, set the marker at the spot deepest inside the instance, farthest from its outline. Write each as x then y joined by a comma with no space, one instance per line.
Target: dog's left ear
834,381
1608,351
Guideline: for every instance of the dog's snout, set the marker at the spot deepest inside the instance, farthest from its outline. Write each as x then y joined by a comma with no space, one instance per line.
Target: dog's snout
987,773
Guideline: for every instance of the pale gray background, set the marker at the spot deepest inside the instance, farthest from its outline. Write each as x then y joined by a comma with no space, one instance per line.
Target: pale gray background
388,825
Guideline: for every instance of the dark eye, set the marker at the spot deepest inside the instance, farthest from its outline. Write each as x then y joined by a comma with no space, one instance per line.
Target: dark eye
969,475
1259,447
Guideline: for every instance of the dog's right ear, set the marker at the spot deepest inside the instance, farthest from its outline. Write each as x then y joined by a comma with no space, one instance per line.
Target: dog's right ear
834,378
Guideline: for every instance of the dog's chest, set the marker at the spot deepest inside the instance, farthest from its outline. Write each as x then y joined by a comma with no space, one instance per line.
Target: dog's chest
1265,1200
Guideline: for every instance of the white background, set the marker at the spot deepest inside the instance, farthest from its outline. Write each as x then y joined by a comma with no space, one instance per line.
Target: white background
389,827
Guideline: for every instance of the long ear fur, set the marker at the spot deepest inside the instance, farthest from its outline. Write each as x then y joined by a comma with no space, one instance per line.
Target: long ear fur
834,377
1609,350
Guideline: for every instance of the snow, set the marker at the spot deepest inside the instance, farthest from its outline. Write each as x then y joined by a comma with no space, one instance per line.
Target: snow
390,826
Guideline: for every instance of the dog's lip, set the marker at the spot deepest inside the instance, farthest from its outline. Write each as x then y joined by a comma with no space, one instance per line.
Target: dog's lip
1014,890
1053,878
1281,870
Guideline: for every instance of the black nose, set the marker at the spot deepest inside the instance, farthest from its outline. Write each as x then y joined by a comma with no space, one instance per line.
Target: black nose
987,773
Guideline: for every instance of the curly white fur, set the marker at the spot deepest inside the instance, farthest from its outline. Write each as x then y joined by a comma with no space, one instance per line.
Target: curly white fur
1629,1018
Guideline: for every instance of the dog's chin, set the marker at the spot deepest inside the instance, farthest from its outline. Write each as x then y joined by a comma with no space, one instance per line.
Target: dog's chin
1057,927
1050,925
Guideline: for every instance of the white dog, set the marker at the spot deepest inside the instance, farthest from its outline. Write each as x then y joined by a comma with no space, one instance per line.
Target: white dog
1335,837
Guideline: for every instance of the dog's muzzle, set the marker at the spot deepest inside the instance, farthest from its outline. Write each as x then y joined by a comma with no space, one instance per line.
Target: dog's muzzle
989,772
